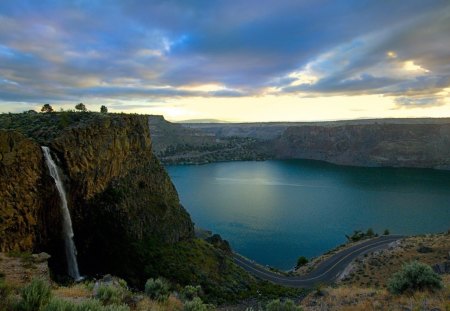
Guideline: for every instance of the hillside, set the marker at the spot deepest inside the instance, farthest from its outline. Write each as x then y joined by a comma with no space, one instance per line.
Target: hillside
423,143
125,211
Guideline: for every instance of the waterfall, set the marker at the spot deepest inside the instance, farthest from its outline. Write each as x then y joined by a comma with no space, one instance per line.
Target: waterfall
71,251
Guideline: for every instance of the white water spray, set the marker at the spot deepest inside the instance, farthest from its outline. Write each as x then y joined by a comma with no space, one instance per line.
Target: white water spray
71,251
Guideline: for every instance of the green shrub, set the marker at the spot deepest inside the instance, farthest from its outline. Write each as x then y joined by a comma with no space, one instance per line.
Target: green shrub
197,304
189,292
301,261
110,294
116,308
34,296
89,305
414,276
157,289
59,305
287,305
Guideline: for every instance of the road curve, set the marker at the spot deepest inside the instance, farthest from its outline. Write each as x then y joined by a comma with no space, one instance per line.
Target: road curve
326,272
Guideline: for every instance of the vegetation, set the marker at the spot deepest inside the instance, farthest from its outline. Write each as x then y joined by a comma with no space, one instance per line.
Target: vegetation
111,294
197,304
43,127
157,289
359,235
386,232
103,109
81,107
301,261
414,276
34,296
287,305
198,262
189,292
47,108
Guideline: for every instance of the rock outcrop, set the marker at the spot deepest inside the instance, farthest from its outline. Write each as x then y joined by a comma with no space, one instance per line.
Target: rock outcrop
21,174
119,195
394,145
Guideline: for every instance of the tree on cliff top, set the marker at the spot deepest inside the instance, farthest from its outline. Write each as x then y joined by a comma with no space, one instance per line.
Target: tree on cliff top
47,108
80,107
103,109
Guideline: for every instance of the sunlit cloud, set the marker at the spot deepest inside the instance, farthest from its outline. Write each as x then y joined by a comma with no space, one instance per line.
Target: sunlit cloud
411,66
220,53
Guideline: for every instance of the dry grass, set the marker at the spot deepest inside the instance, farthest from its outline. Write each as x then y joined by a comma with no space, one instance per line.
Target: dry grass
18,272
73,292
374,270
352,298
172,304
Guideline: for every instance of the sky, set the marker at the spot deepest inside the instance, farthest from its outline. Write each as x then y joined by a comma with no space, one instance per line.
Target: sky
230,60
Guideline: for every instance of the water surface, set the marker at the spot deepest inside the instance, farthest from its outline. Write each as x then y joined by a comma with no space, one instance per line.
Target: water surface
275,211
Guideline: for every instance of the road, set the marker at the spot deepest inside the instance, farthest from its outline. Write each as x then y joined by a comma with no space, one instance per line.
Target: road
326,272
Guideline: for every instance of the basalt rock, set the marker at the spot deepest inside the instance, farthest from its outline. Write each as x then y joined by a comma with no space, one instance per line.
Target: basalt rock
394,145
120,197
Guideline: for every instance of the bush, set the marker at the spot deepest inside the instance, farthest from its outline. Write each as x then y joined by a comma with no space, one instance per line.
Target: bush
301,261
110,294
386,232
157,289
59,305
116,308
189,292
287,305
414,276
35,296
197,304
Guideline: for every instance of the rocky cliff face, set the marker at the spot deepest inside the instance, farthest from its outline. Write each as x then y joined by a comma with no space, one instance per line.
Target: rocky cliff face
119,195
396,145
21,174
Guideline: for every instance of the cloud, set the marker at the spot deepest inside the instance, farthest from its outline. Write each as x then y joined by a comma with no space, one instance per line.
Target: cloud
67,50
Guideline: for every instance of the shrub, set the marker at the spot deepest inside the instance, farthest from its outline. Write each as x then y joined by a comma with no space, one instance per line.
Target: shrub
301,261
157,289
414,276
110,294
34,296
89,305
287,305
197,304
386,232
59,305
116,308
189,292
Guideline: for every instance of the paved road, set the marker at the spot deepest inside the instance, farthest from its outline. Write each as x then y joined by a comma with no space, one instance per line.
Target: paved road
326,272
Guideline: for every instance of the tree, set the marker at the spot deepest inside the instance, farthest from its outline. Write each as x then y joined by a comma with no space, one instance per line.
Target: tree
80,107
370,233
47,108
301,261
103,109
414,276
386,232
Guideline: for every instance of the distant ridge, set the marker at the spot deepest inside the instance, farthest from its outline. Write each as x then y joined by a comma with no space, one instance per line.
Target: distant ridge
202,121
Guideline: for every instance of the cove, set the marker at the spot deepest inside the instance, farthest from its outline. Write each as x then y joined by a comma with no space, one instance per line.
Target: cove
275,211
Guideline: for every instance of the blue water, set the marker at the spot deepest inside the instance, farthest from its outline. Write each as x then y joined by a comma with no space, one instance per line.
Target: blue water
275,211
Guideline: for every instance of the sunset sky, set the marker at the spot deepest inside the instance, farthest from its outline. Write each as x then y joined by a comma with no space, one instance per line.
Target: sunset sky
252,60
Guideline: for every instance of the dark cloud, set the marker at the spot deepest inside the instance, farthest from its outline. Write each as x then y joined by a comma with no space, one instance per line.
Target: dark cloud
137,49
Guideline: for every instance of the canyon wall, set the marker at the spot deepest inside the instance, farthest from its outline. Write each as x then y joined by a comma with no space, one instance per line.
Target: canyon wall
384,144
119,194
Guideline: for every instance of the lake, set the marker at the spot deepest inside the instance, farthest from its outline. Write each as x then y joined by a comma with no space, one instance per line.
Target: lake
275,211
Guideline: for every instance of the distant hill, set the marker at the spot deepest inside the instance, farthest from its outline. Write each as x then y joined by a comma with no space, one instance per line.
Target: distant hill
410,142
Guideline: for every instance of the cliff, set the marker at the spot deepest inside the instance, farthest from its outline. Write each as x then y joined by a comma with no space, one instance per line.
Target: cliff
119,195
21,173
385,144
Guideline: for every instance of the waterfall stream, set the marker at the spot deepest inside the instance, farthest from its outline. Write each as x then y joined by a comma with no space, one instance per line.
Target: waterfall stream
71,252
